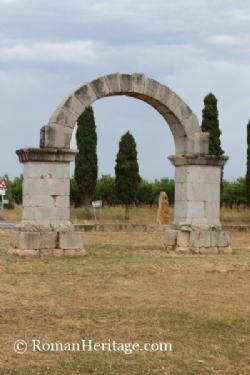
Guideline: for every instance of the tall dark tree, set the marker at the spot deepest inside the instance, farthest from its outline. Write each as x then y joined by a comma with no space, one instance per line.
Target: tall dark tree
86,160
248,165
210,124
127,172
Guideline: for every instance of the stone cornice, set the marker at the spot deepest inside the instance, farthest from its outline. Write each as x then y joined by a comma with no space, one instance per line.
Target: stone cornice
58,155
192,159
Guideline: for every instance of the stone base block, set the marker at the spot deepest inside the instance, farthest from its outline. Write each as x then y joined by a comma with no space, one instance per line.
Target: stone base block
47,253
46,243
190,241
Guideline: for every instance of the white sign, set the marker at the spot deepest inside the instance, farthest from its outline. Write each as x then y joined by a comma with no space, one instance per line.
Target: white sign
97,204
2,191
6,201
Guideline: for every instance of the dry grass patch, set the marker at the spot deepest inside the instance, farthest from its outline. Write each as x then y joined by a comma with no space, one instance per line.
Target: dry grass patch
145,214
129,290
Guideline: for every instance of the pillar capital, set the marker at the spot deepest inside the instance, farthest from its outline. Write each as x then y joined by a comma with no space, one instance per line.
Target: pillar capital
53,155
194,159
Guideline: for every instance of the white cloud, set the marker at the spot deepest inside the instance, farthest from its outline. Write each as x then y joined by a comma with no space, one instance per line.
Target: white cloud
80,51
240,14
12,2
230,40
89,52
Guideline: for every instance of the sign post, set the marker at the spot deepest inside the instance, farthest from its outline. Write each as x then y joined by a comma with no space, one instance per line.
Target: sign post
96,204
3,189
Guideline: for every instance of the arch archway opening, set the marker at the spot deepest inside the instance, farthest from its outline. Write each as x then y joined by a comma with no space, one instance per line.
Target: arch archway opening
46,229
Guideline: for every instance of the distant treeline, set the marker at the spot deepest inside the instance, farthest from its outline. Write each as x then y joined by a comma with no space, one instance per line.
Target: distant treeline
234,193
148,192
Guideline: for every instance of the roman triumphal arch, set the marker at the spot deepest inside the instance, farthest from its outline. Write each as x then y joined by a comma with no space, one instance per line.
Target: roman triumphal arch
45,228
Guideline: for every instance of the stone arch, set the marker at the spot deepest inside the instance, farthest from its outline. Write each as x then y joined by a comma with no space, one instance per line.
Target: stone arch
45,228
184,125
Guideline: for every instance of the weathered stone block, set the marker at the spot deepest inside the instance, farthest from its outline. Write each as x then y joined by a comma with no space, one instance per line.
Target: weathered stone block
203,174
195,209
70,240
189,120
180,143
182,250
64,117
151,87
214,237
225,250
212,211
208,250
190,191
57,252
46,170
194,238
125,83
171,237
53,186
183,239
180,210
163,94
172,102
100,87
72,104
198,143
181,174
46,252
197,241
138,83
224,239
170,248
86,95
33,240
25,253
30,200
51,252
45,213
74,252
204,238
113,81
62,201
200,192
56,136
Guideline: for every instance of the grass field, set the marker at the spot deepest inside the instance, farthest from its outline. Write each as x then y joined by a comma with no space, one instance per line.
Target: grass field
129,290
144,214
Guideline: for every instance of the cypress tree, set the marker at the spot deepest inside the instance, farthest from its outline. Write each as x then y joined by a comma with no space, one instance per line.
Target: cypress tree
86,160
248,165
127,172
210,124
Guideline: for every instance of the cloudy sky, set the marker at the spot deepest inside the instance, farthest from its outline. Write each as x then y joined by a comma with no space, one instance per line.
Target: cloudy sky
193,46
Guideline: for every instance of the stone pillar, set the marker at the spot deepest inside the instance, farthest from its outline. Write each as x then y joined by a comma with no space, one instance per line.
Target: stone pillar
45,228
197,227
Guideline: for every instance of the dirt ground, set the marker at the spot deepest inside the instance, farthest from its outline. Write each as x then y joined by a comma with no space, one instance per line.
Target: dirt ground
129,290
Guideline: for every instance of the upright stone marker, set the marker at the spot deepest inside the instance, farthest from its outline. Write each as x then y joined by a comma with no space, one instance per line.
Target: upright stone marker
163,206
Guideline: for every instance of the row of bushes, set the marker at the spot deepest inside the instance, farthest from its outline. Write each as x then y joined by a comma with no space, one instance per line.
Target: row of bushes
234,193
148,192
